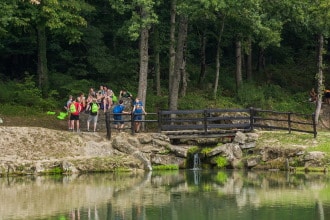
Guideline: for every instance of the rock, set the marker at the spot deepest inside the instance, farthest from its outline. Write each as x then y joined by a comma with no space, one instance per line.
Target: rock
314,155
166,160
248,145
68,167
230,151
314,159
251,137
252,161
240,138
178,150
145,139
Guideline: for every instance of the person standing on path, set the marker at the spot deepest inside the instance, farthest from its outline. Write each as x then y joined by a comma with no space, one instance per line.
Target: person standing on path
67,108
75,108
138,111
118,110
93,108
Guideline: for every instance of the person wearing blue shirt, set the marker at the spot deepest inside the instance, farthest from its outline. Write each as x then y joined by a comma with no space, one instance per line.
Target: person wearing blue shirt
138,111
118,110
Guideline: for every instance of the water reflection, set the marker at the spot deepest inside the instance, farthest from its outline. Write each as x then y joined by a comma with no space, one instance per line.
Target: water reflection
191,194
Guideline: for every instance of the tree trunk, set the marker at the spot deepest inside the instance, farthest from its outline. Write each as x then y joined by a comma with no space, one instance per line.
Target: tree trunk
249,61
239,79
42,68
217,60
172,45
319,78
184,78
202,74
261,60
144,59
182,34
157,64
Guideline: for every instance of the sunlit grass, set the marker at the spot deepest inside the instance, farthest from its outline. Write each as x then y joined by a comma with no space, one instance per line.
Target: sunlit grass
295,139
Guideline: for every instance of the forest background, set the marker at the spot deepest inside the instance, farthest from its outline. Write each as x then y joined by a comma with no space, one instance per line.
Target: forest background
173,54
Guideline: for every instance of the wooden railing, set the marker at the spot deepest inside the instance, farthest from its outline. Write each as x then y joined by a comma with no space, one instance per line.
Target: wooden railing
219,122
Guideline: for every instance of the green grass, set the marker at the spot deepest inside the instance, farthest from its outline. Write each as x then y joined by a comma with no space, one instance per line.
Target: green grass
166,167
296,139
17,110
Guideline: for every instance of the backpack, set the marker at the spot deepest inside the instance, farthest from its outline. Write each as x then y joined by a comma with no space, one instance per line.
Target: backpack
73,108
117,109
95,108
114,98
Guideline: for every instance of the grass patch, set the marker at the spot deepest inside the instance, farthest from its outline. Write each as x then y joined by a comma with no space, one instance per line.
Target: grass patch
295,139
310,169
166,167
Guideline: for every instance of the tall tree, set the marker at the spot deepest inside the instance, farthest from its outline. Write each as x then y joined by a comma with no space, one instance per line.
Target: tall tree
172,44
142,17
179,62
319,16
58,17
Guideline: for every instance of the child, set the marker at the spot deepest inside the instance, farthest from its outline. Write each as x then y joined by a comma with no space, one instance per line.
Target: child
118,110
138,111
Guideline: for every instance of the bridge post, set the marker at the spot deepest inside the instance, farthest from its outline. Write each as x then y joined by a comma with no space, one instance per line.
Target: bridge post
159,121
132,123
289,122
205,121
108,125
252,112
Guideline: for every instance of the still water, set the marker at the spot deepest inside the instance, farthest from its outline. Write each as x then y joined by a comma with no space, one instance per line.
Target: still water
175,195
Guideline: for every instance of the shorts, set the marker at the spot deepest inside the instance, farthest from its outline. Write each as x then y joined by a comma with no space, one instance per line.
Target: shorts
74,117
92,118
137,117
118,119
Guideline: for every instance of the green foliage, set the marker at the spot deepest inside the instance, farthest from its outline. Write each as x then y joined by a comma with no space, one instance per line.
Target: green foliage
193,100
78,86
155,103
273,97
206,150
221,162
27,93
166,167
55,170
221,177
193,150
250,95
7,91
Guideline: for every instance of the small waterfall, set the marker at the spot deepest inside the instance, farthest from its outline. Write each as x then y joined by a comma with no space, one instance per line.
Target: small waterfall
197,162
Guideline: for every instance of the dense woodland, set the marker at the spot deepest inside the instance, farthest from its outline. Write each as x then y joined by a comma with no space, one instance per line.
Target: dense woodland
171,53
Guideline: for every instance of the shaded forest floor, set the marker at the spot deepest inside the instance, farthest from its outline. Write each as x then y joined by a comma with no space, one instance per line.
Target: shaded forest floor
44,121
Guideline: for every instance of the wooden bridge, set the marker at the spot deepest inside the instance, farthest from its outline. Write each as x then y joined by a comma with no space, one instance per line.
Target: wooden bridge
217,123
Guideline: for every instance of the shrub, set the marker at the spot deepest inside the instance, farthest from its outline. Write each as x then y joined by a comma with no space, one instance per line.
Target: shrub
221,162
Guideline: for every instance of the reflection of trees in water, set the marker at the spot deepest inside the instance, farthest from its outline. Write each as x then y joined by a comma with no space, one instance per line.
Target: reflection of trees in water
128,196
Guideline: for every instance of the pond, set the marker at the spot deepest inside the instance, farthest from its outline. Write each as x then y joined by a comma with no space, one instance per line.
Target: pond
177,195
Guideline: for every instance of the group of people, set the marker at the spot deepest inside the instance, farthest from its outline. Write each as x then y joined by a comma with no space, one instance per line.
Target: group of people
313,96
103,100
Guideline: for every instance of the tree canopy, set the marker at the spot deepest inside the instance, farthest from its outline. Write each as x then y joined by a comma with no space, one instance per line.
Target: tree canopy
68,46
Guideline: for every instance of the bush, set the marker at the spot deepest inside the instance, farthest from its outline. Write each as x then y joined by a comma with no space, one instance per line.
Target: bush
250,95
221,162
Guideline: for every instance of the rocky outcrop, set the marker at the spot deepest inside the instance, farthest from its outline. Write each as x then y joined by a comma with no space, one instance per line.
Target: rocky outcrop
28,150
243,153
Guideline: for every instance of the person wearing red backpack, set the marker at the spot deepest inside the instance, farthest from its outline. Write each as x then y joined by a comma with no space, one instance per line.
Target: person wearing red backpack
75,109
